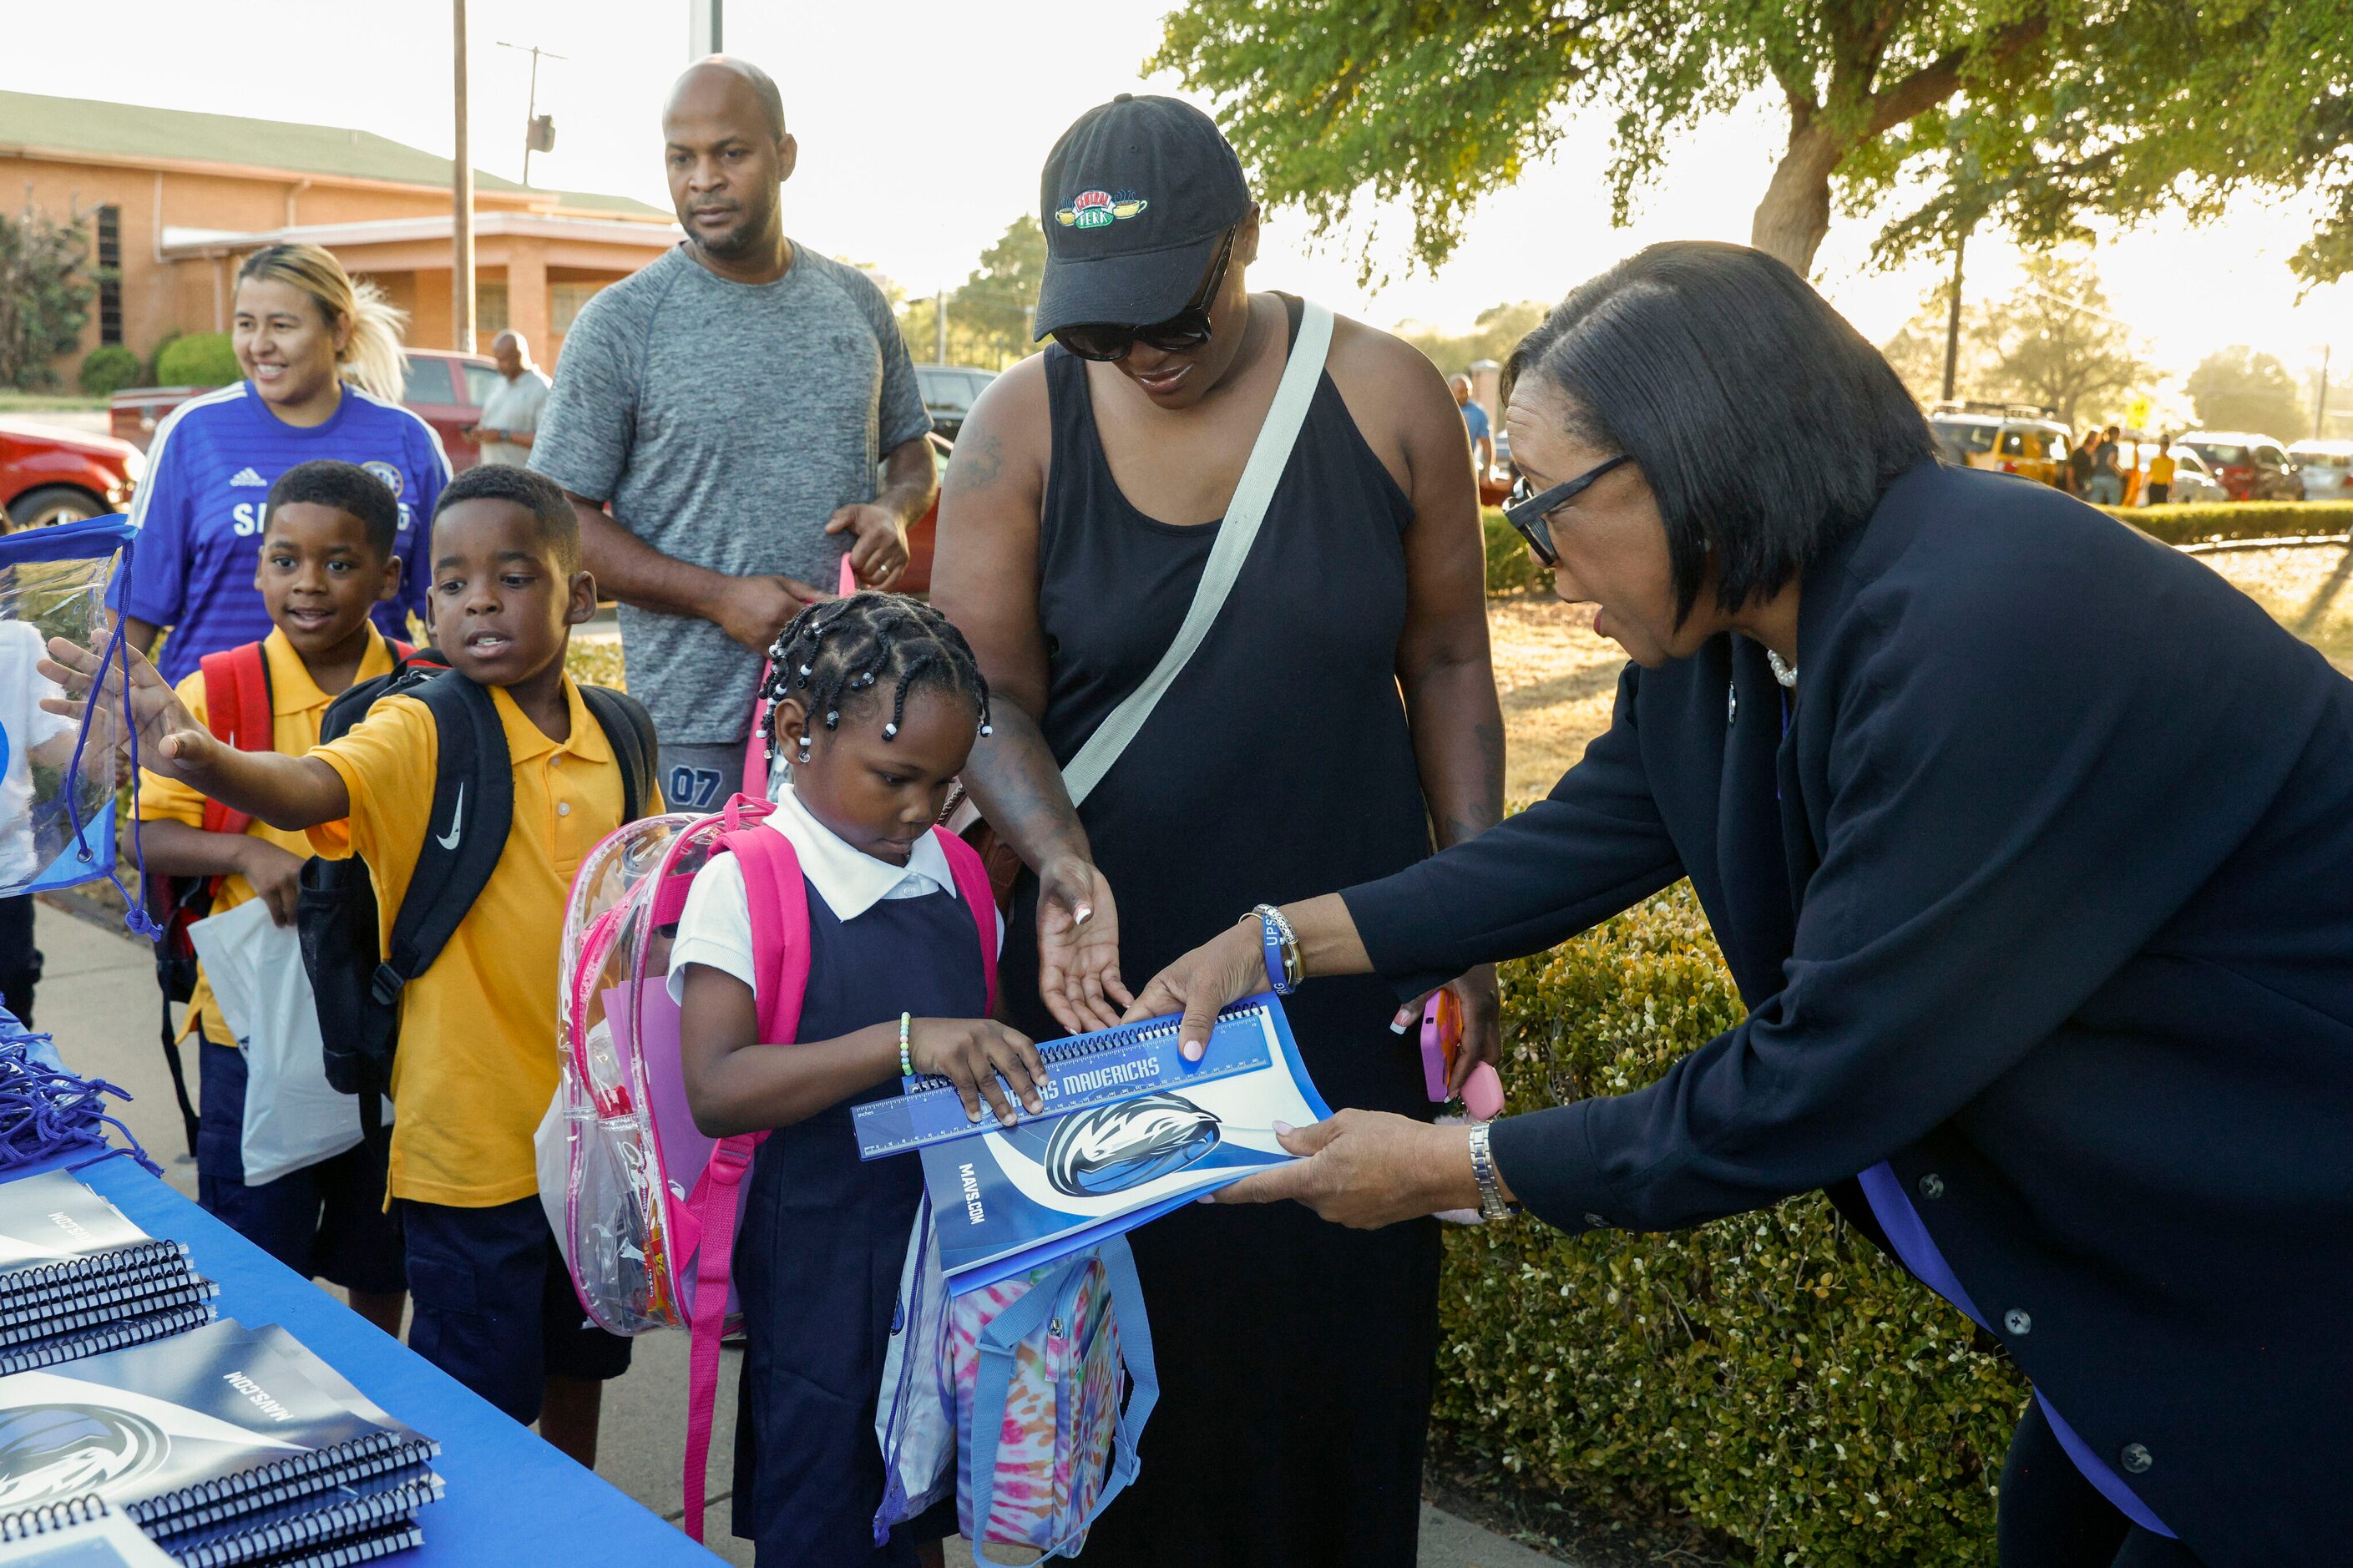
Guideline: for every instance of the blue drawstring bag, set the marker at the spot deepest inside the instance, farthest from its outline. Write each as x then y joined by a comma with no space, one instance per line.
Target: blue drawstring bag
57,777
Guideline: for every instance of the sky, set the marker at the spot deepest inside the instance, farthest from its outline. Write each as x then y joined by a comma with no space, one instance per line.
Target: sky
922,124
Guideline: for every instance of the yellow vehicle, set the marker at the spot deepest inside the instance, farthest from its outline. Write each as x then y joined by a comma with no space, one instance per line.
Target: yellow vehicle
2008,438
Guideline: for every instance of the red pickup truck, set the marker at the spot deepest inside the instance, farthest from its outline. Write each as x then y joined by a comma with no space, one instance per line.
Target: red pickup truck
447,390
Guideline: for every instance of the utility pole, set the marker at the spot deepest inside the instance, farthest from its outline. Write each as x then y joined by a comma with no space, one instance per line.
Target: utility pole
940,324
2320,403
704,32
538,133
1953,317
461,204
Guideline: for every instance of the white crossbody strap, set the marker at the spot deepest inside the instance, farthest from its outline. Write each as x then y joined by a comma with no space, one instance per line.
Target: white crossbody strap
1269,457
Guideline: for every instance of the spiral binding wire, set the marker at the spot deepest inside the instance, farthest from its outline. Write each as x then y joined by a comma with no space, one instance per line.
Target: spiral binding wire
46,1111
1079,1047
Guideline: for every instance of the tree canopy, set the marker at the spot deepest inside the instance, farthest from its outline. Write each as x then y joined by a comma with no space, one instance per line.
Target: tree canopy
2238,388
2050,342
990,317
1439,102
46,290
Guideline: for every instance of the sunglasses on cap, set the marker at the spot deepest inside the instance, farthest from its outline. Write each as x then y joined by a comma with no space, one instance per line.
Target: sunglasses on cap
1188,329
1531,513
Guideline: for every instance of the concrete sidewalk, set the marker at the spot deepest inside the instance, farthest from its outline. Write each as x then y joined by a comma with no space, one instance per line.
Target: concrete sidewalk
99,999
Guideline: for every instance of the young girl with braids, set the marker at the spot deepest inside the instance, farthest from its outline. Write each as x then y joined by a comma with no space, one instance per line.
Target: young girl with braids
877,700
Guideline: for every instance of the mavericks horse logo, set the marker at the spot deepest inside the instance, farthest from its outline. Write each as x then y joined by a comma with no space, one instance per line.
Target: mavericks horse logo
1114,1147
58,1450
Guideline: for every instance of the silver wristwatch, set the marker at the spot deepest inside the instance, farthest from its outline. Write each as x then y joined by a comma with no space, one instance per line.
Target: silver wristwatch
1492,1204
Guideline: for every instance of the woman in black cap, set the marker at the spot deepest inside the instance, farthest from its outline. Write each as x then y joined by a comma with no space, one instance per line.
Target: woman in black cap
1338,708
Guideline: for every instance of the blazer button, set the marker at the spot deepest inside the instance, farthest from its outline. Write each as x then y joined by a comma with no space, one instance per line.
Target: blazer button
2017,1322
2137,1459
1932,1187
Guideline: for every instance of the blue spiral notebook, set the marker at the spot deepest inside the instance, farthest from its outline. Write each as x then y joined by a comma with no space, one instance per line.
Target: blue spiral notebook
1130,1132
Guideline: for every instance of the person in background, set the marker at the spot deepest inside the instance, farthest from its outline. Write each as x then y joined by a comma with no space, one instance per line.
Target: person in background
1475,424
2078,468
510,421
2107,486
731,403
322,379
2160,472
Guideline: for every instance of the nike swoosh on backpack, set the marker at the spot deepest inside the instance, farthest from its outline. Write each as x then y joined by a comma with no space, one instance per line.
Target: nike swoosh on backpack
457,821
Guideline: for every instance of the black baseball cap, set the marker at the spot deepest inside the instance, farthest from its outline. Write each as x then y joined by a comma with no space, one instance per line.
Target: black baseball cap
1135,198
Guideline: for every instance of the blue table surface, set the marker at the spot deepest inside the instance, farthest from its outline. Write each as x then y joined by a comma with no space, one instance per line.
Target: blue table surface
512,1498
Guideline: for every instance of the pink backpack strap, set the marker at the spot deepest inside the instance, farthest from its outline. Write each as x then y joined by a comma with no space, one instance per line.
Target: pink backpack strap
777,899
972,887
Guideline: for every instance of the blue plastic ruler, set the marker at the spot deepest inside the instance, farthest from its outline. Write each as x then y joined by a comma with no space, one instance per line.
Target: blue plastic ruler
1080,1071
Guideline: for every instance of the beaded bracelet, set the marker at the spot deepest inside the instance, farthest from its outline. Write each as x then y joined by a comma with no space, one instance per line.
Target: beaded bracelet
906,1055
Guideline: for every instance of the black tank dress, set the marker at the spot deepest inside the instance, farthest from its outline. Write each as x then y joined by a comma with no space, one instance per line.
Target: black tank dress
1294,1355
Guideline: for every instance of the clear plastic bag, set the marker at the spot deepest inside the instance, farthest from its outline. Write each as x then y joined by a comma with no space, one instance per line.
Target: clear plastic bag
56,778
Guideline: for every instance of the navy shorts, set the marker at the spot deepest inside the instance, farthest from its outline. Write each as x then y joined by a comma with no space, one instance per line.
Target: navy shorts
325,1222
495,1305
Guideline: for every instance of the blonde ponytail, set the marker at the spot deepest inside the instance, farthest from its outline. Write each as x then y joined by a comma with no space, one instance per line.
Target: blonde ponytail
371,357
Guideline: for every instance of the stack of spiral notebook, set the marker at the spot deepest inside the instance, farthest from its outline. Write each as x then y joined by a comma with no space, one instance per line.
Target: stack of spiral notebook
226,1445
77,1278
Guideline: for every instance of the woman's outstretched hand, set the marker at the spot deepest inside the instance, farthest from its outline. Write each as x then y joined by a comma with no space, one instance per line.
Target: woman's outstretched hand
1365,1169
1222,970
1078,946
1480,993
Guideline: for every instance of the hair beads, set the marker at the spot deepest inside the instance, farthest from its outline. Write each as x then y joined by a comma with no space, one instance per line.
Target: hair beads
844,648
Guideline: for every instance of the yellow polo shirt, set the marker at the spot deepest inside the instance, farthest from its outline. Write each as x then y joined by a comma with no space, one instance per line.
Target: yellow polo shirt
297,707
477,1060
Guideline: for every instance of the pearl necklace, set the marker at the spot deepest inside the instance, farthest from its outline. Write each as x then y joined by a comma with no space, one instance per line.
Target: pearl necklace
1784,672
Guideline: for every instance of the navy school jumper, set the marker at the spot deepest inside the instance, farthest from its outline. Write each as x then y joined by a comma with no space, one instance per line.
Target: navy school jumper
818,1259
2046,899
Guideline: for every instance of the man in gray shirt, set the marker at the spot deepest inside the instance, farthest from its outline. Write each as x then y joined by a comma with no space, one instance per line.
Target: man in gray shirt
731,403
510,419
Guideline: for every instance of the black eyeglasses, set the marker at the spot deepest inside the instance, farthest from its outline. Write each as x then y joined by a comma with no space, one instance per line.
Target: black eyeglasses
1528,513
1187,329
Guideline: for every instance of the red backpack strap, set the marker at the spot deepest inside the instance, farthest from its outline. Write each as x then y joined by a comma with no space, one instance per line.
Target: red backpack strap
972,887
237,709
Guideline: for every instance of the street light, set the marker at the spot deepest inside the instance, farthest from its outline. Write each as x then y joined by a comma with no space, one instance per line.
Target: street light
539,130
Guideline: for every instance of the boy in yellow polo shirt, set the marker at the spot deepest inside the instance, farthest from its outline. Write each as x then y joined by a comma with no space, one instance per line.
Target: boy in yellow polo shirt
476,1065
325,561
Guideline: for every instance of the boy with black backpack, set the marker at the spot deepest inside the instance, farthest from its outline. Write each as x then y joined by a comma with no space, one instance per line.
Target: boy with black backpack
472,796
325,562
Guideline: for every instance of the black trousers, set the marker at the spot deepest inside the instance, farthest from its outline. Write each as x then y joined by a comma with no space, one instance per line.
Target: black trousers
2052,1518
20,960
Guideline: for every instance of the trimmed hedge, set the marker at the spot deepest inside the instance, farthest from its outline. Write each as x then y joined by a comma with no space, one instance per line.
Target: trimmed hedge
1770,1374
1510,564
2202,521
199,359
108,369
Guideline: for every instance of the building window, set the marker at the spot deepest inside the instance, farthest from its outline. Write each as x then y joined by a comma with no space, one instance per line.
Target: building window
490,316
564,301
109,272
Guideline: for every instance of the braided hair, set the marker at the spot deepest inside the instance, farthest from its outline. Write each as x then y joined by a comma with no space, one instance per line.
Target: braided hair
834,653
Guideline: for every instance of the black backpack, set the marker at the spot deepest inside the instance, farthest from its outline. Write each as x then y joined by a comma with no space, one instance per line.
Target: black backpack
358,994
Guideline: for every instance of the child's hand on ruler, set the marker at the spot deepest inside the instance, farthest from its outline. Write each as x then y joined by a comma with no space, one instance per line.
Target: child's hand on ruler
975,1053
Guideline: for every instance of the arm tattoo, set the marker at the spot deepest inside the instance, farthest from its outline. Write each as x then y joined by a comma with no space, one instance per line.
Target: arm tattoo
975,463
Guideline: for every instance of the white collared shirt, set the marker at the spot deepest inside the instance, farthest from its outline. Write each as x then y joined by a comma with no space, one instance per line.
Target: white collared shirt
715,926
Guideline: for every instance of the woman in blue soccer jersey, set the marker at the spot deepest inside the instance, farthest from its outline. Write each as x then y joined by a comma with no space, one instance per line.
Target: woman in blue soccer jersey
323,376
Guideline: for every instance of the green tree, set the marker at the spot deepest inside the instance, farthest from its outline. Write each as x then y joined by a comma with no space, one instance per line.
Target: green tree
1439,102
1917,350
1496,332
2239,389
989,316
46,290
2058,347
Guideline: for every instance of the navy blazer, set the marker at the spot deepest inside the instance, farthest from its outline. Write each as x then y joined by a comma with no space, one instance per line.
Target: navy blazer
2047,893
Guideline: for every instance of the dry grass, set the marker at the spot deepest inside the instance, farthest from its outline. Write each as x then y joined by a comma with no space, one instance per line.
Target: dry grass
1558,679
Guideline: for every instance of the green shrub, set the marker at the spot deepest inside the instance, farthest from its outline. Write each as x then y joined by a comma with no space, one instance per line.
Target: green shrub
199,359
2203,521
108,369
1770,1374
1510,564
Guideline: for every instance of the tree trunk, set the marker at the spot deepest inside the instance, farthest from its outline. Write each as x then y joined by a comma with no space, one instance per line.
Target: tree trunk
1795,212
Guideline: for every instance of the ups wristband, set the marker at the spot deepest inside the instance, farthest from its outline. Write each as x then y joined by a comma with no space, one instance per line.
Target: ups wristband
1282,965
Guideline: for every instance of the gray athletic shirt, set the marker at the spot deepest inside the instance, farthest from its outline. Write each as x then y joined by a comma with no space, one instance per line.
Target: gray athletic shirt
726,423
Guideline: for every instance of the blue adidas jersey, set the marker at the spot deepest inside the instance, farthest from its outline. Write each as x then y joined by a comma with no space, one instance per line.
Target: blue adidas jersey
200,511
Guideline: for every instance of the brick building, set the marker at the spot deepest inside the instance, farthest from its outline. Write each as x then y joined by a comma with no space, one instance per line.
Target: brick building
174,200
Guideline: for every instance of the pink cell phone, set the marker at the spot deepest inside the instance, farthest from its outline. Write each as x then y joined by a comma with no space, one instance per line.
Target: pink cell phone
1441,1037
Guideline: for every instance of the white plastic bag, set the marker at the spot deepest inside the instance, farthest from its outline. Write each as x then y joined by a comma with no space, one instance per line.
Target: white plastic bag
292,1119
914,1420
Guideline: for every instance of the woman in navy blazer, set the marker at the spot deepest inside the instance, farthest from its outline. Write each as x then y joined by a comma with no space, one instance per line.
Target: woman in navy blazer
2028,842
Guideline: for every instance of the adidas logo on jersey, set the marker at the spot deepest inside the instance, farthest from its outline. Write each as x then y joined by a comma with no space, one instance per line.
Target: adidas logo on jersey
248,479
